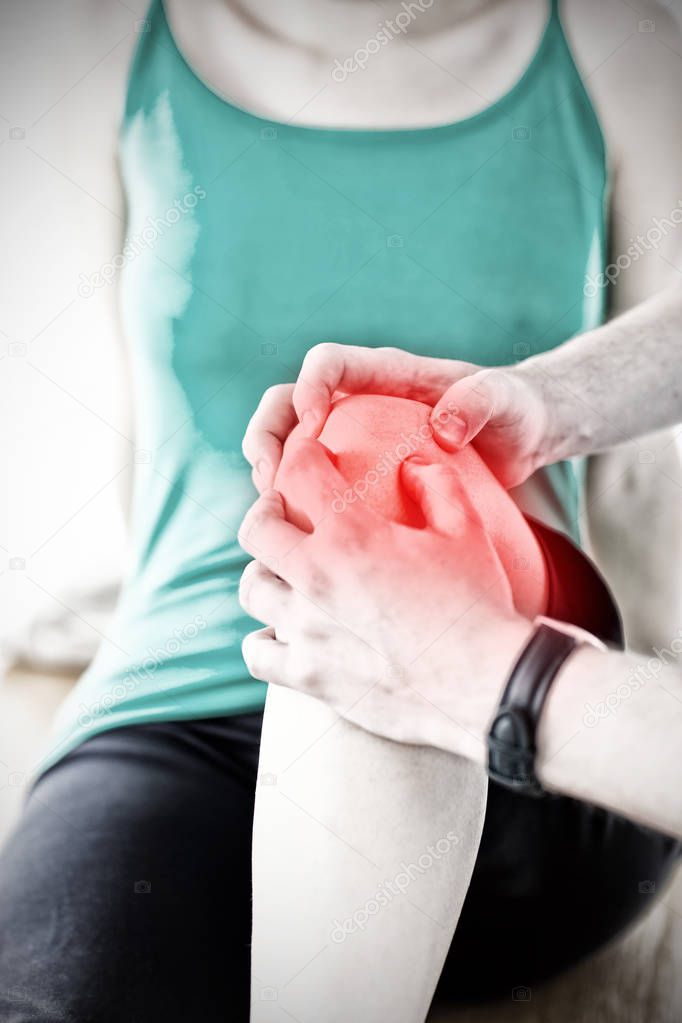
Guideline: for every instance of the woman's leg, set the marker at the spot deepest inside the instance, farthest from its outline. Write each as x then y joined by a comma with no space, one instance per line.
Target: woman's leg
555,878
363,851
125,889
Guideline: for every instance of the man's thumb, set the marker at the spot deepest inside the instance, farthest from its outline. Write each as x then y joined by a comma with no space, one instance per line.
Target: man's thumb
463,411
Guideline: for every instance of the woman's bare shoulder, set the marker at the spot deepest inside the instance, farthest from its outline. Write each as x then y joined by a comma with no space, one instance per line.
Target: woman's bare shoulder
630,62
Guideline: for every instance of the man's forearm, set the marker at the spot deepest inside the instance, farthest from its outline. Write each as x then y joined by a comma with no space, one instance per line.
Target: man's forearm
615,383
611,733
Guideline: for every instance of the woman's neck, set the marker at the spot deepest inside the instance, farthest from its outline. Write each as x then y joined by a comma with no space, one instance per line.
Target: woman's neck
327,26
355,64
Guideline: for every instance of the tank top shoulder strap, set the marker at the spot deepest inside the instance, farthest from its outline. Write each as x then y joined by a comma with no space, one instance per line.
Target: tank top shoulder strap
151,31
569,84
562,45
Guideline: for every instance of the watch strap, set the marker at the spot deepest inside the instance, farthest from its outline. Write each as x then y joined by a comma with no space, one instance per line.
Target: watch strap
512,734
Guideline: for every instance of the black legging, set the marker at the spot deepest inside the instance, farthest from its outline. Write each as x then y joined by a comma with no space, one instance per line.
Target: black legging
125,890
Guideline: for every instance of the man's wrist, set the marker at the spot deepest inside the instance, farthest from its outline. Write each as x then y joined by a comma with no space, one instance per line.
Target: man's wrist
511,638
564,751
566,426
507,641
513,735
463,729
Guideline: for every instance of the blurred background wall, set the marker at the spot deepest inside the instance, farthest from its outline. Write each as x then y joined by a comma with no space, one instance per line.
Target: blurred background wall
66,444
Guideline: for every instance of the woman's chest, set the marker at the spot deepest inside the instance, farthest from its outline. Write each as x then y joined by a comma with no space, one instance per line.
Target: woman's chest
462,244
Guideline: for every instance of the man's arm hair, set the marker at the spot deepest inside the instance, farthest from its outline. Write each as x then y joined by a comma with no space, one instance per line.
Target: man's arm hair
610,733
616,383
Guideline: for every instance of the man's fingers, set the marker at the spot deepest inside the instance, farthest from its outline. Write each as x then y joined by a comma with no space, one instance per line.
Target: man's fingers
449,510
440,494
266,535
351,369
310,480
265,656
270,425
263,595
465,408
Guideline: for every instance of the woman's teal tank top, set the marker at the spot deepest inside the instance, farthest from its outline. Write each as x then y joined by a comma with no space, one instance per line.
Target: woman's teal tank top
249,242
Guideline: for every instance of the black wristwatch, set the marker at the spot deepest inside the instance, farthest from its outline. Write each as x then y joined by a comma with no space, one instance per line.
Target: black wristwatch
511,738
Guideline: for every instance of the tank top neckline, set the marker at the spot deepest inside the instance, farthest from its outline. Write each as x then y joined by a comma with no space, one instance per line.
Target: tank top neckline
496,107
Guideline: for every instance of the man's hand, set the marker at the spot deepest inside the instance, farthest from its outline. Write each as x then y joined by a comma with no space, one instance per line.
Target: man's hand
502,410
268,428
399,629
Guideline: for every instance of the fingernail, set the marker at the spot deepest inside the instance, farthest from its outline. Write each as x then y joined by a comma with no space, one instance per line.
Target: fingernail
415,460
309,423
263,468
452,432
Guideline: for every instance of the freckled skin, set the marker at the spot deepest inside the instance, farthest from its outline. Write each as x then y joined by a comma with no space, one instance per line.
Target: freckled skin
368,436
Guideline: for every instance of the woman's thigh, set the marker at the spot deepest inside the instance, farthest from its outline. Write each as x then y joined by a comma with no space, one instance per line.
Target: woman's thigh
363,851
125,891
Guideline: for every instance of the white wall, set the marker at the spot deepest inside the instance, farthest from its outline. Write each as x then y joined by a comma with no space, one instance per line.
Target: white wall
62,76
